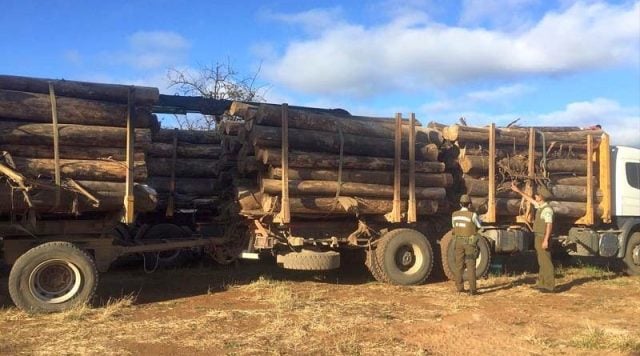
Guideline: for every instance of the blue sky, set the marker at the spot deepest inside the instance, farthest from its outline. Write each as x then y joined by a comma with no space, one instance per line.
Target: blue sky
547,62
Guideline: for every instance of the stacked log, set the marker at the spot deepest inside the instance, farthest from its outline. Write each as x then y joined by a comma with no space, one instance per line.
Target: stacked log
182,166
560,162
90,126
338,165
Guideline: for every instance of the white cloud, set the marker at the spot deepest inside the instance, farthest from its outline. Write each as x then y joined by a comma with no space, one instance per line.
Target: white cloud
408,53
73,56
312,20
499,93
149,50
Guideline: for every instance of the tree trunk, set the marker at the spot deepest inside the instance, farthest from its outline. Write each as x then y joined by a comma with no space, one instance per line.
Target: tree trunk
188,136
192,186
79,169
35,107
308,120
184,150
71,152
362,176
329,188
511,207
20,133
302,159
330,206
480,164
95,91
571,180
569,193
518,136
185,168
44,201
319,141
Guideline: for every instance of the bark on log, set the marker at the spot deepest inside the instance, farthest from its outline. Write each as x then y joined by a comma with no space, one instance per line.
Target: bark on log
35,107
558,151
370,127
95,91
362,176
330,206
249,199
480,164
188,136
184,150
302,159
517,136
309,140
44,201
569,193
20,133
329,188
571,180
79,169
511,207
71,152
184,168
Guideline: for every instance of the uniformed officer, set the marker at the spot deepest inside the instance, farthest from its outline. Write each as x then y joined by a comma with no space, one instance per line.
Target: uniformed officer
542,228
465,231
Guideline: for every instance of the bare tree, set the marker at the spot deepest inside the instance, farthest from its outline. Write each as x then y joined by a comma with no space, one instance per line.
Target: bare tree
215,81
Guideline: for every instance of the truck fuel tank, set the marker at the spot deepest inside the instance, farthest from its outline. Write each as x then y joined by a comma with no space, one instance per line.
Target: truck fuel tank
509,240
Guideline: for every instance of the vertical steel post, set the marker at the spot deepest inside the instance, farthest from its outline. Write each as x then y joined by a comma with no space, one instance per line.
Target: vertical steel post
396,212
411,208
285,211
589,216
491,206
56,141
129,200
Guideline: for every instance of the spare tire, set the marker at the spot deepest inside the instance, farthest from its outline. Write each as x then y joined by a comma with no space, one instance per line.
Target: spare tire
308,260
52,277
404,257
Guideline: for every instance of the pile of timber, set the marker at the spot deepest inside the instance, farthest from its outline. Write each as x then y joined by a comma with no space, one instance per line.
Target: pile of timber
338,164
89,123
559,162
182,167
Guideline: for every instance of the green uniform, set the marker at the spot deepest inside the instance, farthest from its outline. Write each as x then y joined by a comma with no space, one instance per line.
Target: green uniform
465,228
546,278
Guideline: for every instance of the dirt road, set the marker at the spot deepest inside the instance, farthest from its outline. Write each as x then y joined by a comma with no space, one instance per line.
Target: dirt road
258,309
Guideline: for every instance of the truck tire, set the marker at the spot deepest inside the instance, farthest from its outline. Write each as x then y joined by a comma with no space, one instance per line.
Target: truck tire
632,255
374,266
52,277
310,260
405,257
447,252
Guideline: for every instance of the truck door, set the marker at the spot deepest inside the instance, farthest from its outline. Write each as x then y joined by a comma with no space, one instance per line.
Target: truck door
627,181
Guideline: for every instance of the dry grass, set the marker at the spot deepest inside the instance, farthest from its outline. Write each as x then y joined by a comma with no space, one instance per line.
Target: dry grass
595,338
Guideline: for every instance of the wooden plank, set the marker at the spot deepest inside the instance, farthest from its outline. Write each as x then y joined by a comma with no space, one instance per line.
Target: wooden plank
411,206
490,217
129,197
285,211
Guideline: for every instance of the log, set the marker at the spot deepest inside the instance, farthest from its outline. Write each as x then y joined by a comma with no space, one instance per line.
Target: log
329,188
511,207
188,136
79,169
363,126
187,186
362,176
249,199
518,136
44,201
480,165
557,151
33,107
319,141
184,150
95,91
20,133
71,152
571,180
184,168
569,193
330,206
302,159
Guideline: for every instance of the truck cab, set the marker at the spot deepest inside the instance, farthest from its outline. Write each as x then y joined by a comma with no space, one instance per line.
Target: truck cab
626,179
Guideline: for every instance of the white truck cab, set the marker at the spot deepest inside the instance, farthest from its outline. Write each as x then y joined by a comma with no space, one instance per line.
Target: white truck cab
626,181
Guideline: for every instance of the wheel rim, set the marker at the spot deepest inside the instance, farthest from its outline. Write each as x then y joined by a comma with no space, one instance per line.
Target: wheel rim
636,255
409,258
55,281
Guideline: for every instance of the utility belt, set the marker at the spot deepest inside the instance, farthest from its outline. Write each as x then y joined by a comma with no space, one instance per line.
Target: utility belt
471,240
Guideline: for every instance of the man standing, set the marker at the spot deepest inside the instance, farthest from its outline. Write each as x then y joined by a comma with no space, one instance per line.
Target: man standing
465,231
542,227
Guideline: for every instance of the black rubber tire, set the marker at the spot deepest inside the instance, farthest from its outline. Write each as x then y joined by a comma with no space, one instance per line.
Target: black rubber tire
631,268
411,242
307,260
447,252
28,266
374,267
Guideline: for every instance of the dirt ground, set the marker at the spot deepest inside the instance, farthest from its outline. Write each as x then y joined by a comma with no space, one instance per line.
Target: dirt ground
256,308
